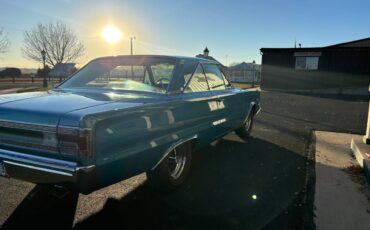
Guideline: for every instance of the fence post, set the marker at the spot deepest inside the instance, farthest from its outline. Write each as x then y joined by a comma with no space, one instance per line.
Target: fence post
366,138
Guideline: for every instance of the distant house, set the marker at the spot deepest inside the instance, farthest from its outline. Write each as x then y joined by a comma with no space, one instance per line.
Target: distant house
205,55
344,65
245,72
62,70
10,72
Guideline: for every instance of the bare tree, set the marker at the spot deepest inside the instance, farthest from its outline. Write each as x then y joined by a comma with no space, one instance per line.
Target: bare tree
57,39
4,42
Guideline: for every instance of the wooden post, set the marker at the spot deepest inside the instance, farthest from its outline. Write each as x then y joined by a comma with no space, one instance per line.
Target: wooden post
366,138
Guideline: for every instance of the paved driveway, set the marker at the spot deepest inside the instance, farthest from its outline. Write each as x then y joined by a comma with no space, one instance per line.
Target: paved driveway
264,182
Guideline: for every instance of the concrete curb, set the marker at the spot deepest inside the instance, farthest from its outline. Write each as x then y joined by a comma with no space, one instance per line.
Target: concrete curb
359,150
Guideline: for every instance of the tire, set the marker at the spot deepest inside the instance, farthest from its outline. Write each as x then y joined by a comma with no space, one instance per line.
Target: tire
172,171
244,132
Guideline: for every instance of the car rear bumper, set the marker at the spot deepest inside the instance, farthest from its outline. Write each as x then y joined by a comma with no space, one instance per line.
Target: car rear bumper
42,170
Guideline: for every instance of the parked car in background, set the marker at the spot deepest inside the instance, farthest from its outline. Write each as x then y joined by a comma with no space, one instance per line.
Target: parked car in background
121,116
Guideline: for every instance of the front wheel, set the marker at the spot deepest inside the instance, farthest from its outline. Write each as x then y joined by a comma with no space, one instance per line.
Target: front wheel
245,131
173,170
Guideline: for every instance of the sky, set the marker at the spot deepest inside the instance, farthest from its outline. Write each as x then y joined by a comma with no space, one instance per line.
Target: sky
233,30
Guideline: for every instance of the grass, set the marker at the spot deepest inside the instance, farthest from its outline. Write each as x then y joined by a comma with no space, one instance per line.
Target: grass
244,85
33,89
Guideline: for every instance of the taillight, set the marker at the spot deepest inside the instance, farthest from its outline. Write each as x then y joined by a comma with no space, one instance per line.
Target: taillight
78,142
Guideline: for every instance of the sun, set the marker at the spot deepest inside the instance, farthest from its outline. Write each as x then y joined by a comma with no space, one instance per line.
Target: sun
111,34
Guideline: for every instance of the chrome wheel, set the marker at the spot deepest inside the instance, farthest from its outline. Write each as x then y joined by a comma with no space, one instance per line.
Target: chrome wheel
176,163
173,170
245,130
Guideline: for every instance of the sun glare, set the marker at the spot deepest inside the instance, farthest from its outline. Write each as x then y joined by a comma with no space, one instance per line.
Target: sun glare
111,34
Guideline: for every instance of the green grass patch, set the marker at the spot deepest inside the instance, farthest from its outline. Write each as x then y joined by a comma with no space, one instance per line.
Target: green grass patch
244,85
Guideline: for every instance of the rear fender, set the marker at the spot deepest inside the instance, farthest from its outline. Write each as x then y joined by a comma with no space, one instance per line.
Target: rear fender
254,109
173,146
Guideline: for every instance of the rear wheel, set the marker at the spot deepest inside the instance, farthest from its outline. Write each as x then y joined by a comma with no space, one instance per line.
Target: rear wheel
173,170
245,131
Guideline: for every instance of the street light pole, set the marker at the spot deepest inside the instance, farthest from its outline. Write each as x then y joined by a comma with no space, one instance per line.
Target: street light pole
132,52
254,73
43,54
132,49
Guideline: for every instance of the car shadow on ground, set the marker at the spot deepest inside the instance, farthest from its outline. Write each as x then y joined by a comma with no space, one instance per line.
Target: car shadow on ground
232,185
41,208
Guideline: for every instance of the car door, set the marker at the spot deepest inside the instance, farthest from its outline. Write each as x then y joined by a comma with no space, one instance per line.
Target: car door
203,104
228,98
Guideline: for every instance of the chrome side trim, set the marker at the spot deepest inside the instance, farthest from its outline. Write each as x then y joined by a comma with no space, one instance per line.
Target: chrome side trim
86,168
40,169
67,166
172,147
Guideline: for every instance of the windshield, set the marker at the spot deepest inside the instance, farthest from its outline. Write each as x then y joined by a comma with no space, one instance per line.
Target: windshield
125,73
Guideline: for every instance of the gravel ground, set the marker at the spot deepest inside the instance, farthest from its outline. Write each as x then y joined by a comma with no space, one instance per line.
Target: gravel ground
12,192
94,202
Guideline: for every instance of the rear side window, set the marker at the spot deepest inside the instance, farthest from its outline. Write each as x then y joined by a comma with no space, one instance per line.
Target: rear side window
214,77
198,82
227,83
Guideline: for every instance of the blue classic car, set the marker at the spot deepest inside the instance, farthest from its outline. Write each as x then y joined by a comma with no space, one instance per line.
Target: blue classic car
118,117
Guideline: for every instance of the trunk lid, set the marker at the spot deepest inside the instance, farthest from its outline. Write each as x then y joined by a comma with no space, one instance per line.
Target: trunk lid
28,123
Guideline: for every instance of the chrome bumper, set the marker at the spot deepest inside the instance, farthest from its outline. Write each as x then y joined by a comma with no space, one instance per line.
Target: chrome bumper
42,170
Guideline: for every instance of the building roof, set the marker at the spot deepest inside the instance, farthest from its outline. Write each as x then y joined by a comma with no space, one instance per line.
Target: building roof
62,70
242,66
356,44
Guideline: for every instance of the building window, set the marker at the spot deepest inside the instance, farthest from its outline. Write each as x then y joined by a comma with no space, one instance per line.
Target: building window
306,63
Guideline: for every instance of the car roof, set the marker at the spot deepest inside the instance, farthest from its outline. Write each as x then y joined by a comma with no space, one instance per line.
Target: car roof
202,60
